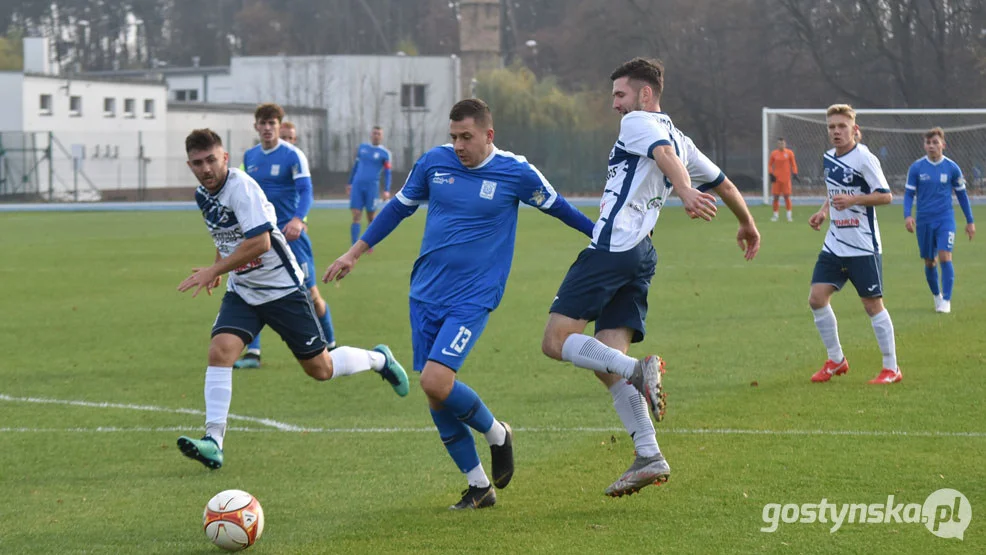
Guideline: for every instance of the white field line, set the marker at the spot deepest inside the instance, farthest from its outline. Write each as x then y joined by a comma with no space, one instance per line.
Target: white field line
275,426
149,408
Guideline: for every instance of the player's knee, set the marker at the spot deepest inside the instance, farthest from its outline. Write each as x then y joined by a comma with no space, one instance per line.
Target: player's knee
224,349
552,342
319,368
816,301
435,387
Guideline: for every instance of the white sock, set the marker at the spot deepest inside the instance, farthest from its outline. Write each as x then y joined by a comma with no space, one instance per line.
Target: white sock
789,214
884,330
632,408
828,328
587,352
218,394
497,434
477,477
347,361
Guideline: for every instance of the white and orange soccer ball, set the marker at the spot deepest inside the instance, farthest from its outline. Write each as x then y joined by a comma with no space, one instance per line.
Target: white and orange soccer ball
233,520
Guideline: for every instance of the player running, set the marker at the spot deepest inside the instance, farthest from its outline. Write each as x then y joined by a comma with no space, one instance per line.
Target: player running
473,191
281,169
609,281
264,288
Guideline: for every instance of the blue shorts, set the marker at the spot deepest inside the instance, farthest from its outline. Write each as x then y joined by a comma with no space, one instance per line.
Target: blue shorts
865,272
610,288
445,334
302,249
934,237
292,317
364,197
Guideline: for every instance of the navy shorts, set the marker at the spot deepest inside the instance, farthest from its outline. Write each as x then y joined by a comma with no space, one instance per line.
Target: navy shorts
364,197
292,317
302,249
609,288
934,237
445,334
865,272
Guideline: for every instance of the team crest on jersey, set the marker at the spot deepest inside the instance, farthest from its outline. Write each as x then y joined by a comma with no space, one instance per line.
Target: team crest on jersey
538,198
944,178
275,169
654,202
488,189
376,155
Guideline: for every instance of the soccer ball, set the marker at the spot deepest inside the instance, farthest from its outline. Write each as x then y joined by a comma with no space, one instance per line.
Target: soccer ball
233,520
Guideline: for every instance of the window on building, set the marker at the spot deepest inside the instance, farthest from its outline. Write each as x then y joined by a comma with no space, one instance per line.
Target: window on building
44,104
413,97
148,107
129,106
109,107
186,95
75,105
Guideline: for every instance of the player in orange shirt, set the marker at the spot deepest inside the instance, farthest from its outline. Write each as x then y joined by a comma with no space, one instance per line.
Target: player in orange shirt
782,167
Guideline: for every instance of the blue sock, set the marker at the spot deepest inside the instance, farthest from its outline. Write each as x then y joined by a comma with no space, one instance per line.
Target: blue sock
457,438
931,274
330,334
466,405
947,280
354,233
255,344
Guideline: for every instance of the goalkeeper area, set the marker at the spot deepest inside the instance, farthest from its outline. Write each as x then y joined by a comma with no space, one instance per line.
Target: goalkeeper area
896,137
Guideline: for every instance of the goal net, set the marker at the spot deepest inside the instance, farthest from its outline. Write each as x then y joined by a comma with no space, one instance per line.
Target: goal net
896,137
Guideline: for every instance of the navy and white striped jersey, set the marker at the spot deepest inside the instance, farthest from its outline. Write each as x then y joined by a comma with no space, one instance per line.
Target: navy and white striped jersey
853,231
636,189
240,211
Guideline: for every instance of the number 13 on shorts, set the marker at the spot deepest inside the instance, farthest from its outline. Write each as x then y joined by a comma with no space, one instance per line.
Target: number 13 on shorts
461,340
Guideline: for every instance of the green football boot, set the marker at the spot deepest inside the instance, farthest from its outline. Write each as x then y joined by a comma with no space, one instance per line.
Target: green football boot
204,450
392,371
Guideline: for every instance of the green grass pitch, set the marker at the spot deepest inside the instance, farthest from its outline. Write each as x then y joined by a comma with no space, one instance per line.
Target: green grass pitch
91,315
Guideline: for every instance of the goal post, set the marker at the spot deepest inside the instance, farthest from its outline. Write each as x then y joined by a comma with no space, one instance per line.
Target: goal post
896,137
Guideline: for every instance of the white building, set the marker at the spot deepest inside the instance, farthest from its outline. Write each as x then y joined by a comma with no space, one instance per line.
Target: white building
53,126
409,96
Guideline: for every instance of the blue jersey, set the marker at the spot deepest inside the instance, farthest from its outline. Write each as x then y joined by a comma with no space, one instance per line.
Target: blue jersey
370,161
283,174
933,183
468,242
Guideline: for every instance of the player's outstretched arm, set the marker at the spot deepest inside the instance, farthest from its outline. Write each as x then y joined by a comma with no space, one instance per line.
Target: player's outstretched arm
697,204
205,278
386,221
570,215
748,237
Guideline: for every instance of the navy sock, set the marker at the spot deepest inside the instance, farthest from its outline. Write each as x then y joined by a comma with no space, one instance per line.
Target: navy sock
466,405
947,280
457,438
